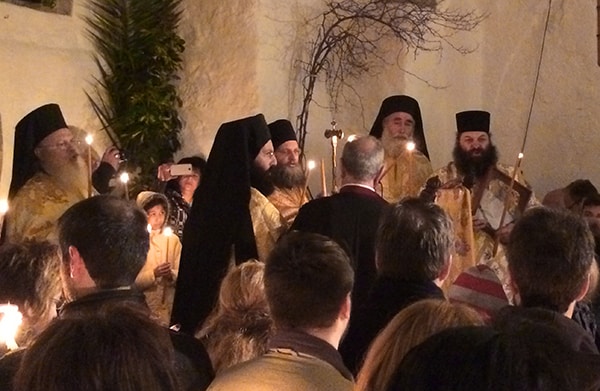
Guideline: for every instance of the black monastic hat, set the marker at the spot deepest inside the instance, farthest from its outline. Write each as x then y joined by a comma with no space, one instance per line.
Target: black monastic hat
281,131
405,104
473,121
29,132
219,219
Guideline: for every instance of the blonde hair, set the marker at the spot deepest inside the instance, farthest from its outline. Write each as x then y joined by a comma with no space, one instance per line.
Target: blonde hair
240,325
408,328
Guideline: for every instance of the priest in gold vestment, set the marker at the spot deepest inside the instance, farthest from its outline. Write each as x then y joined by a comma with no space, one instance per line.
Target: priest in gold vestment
48,175
470,185
287,177
398,122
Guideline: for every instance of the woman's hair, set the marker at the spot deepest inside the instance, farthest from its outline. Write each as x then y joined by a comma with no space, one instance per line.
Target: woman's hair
240,325
118,348
30,279
408,328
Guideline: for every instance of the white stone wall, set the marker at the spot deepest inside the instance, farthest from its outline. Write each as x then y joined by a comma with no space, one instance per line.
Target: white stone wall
240,60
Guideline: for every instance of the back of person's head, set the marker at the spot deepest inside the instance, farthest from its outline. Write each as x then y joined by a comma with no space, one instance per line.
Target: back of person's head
239,327
29,278
592,200
116,349
414,241
362,158
408,328
110,234
480,358
550,254
578,191
308,277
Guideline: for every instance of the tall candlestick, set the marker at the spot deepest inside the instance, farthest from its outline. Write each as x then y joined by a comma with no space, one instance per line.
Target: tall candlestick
323,180
167,231
410,147
125,179
89,139
309,167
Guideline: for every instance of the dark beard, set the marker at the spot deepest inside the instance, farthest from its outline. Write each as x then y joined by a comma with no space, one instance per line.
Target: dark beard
261,180
287,177
474,166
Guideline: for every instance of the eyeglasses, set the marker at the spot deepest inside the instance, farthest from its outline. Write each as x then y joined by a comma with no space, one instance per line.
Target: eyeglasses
63,145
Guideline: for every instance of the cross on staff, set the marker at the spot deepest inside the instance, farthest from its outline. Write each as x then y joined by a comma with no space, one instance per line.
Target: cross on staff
334,134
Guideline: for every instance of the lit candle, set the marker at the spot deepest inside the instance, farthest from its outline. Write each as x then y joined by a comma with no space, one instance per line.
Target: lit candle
410,147
167,231
10,320
352,137
89,139
124,179
323,181
309,167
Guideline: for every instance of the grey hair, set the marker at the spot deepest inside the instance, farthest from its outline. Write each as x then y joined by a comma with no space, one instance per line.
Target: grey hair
362,158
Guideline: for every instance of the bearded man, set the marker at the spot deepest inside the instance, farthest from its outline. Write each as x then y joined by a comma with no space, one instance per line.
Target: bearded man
48,175
287,177
231,221
398,122
474,157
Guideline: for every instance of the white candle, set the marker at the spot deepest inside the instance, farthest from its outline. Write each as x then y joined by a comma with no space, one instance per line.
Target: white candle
89,139
124,179
309,167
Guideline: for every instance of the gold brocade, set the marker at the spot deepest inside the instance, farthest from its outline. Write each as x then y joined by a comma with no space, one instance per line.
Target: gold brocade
36,207
404,175
267,223
457,204
288,202
490,209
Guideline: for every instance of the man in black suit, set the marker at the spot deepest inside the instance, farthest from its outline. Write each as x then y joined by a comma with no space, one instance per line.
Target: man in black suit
351,217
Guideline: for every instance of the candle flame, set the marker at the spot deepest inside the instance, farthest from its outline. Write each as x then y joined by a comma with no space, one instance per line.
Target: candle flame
149,228
10,321
352,137
124,177
89,139
168,231
410,146
3,207
311,164
520,155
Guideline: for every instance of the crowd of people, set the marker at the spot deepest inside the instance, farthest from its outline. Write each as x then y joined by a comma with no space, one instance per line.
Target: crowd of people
229,277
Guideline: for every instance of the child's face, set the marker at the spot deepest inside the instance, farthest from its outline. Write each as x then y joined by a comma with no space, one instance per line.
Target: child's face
156,216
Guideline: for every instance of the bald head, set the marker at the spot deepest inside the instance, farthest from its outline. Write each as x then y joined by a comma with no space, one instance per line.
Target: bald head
362,160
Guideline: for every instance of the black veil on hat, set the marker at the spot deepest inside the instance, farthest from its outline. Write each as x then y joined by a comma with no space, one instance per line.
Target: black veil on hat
406,104
281,131
29,132
219,220
473,121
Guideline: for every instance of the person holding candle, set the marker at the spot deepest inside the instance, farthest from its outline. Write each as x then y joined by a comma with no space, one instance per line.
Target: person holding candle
287,177
397,124
351,217
157,277
475,157
49,174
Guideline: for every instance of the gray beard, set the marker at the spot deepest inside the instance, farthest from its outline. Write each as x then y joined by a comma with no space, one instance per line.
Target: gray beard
287,177
393,147
72,175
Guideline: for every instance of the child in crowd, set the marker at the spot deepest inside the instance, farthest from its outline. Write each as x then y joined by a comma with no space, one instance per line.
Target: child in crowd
157,277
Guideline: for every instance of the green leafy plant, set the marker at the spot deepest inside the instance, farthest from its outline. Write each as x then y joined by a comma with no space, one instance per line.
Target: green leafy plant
138,54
